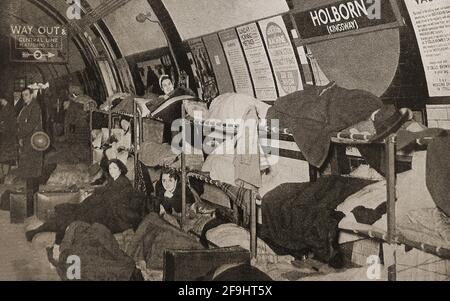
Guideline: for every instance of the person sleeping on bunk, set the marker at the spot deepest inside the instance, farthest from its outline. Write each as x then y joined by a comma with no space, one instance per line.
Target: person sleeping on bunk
112,205
168,194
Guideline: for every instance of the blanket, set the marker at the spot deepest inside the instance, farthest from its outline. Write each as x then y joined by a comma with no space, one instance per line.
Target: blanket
314,114
100,256
154,236
302,217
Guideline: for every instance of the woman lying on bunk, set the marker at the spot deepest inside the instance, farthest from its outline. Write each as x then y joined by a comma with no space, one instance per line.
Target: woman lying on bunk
114,205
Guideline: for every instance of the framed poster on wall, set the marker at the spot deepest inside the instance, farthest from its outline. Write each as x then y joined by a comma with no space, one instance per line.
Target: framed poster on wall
258,62
219,63
431,22
236,62
204,69
282,55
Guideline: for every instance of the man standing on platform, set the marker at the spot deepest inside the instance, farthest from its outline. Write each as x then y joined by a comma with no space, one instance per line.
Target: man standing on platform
29,122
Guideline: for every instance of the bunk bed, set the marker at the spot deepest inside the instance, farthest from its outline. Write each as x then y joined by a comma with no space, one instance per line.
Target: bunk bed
106,122
391,236
232,191
251,197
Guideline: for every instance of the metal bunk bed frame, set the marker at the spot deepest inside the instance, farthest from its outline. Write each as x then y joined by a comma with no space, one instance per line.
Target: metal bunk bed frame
391,237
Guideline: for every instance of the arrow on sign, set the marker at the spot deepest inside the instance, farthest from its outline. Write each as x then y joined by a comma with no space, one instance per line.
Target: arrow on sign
38,55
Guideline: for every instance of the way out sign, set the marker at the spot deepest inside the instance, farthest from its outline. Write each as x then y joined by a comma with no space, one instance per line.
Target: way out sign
38,44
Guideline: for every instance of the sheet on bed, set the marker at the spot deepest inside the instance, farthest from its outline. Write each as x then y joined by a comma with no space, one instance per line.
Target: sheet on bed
429,226
370,202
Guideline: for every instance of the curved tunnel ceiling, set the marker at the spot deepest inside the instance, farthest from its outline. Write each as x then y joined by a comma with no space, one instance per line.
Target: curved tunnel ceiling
192,19
133,37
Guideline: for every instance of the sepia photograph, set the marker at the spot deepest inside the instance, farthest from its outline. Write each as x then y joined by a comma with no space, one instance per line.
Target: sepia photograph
244,142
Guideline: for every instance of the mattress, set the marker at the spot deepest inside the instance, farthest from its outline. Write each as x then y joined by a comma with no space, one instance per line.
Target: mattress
412,195
428,226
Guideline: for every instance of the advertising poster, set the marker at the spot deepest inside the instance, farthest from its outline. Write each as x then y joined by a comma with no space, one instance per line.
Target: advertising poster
282,55
236,62
431,21
258,62
205,71
219,63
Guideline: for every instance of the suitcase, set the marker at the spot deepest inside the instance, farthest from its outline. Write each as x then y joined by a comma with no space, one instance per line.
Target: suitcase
5,192
18,207
46,201
190,265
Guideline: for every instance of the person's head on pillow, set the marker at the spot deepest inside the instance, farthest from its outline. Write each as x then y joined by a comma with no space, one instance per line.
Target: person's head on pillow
166,84
169,179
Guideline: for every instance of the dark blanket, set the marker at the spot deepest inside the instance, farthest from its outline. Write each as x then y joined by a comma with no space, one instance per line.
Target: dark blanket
100,255
438,171
302,217
314,114
115,206
154,236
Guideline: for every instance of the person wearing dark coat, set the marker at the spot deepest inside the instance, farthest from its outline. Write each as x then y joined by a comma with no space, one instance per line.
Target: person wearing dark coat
112,205
169,193
29,122
8,143
18,106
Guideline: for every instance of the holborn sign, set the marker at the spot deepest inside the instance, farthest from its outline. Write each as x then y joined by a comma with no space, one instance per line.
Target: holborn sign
38,44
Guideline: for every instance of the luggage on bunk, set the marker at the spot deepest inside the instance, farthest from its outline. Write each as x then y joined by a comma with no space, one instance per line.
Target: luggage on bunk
47,199
190,265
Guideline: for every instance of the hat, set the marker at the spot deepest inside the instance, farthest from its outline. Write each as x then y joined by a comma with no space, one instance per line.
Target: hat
388,120
163,78
40,141
438,172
